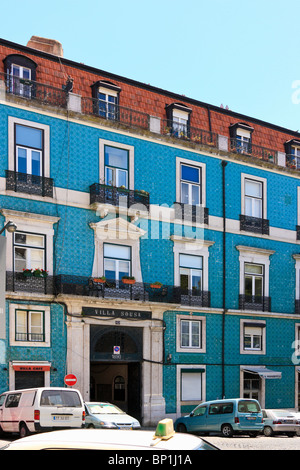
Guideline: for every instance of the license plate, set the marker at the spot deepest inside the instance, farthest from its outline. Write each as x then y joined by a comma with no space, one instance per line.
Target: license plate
125,427
251,418
60,418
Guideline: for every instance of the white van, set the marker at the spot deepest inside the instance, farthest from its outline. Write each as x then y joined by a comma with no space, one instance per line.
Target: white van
40,410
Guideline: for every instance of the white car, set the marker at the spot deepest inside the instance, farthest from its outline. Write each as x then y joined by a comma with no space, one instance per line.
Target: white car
164,439
109,416
280,422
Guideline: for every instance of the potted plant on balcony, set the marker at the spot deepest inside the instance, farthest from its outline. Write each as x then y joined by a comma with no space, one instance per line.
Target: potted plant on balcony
100,280
128,280
27,272
40,273
156,285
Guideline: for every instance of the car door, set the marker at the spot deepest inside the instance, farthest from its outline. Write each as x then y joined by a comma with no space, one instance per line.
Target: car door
198,419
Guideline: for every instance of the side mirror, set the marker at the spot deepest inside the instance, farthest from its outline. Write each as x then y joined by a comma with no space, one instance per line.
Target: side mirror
191,414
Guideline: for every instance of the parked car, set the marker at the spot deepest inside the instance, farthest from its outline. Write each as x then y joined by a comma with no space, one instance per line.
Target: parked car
109,416
280,422
232,416
164,439
40,409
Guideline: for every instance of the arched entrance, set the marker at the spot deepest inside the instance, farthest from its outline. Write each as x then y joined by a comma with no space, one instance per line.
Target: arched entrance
115,366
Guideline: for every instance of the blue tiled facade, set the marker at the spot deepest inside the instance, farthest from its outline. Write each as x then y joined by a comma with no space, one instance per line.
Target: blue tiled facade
74,167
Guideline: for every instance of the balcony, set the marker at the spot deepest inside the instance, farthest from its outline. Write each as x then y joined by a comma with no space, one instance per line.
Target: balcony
104,197
255,302
191,213
188,133
31,90
252,150
29,184
139,291
254,224
18,282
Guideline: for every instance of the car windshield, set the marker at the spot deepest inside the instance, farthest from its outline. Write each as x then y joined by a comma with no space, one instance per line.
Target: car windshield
104,408
246,406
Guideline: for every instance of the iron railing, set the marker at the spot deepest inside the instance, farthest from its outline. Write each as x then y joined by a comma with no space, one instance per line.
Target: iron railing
293,161
255,302
105,194
189,133
254,224
36,337
18,282
253,150
29,89
29,184
114,112
139,291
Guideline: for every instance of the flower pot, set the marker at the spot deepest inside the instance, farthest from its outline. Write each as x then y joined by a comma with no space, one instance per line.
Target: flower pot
128,281
155,286
99,280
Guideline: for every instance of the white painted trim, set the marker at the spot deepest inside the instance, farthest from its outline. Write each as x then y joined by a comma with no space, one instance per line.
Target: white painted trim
245,176
12,326
178,385
250,254
247,351
191,317
112,143
11,142
200,165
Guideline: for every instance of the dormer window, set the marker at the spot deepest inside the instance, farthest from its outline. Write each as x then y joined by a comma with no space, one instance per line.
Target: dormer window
292,150
240,137
21,71
178,120
106,96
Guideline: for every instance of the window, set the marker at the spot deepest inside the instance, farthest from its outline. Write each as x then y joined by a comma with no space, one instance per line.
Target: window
21,71
106,99
191,385
29,251
178,119
191,272
220,408
254,280
253,338
253,198
13,400
117,261
252,386
292,150
29,325
190,185
116,166
296,154
190,334
241,137
29,150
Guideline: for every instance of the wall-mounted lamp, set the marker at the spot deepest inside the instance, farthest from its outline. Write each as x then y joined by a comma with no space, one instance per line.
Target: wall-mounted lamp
10,227
169,358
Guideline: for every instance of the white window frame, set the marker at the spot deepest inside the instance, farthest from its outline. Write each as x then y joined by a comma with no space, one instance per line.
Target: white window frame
202,168
11,142
191,317
129,148
194,247
261,351
32,223
21,76
255,178
254,255
12,325
29,249
112,94
190,185
117,261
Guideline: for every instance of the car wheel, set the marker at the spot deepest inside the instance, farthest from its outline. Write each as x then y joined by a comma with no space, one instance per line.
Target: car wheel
181,428
268,431
227,430
91,426
23,431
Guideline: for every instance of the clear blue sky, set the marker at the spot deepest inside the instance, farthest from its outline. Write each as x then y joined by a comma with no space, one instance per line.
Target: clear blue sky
240,53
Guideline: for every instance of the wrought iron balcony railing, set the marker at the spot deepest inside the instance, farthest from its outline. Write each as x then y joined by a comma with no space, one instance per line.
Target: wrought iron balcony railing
293,161
191,213
31,337
29,184
114,112
189,133
122,197
139,291
29,89
255,302
254,224
18,282
252,150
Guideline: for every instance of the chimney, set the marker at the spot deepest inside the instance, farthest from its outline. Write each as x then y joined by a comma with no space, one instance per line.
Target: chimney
51,46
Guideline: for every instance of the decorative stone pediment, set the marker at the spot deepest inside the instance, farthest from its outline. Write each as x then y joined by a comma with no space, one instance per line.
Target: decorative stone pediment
117,229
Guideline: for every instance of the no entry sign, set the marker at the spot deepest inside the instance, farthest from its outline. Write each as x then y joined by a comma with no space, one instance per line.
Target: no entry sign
70,379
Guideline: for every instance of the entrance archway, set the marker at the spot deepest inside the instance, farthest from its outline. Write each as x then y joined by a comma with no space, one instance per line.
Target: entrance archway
115,367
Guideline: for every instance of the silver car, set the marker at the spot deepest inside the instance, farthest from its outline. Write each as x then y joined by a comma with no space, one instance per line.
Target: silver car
108,416
280,422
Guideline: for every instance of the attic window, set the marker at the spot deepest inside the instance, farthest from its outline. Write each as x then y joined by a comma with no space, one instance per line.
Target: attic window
106,99
292,150
21,71
178,119
241,137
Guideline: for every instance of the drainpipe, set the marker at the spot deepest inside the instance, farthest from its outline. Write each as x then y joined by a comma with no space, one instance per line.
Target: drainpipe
224,164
